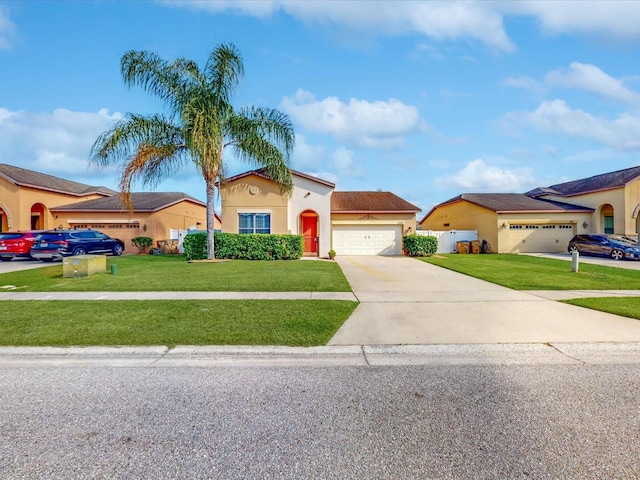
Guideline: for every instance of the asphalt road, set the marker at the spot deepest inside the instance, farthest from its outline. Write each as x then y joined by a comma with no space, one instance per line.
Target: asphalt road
446,422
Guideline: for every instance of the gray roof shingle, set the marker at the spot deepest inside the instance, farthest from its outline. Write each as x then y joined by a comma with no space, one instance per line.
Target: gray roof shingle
142,202
596,183
515,202
28,178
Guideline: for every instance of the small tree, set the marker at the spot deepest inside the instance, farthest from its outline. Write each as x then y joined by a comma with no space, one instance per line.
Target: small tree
142,243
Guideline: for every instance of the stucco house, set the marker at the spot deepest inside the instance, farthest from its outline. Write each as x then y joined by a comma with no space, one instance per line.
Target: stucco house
351,223
546,218
32,201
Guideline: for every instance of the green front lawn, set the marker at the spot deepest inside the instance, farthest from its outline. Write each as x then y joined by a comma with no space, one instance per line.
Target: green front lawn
171,322
523,272
625,306
174,273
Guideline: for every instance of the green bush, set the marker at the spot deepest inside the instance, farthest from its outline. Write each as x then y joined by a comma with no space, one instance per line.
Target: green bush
195,246
420,245
142,243
245,247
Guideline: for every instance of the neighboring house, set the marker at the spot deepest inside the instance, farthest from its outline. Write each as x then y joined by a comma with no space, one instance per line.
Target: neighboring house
31,200
351,223
153,215
545,219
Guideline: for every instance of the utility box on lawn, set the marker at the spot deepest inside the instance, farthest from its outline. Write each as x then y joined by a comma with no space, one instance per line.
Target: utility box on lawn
83,265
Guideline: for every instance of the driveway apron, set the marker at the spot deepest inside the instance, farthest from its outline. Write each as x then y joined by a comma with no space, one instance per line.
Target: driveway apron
406,301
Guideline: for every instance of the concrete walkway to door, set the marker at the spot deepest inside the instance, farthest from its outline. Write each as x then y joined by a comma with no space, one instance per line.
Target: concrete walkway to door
406,301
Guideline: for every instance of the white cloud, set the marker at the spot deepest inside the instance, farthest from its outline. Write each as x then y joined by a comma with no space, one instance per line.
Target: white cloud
608,18
306,155
592,79
445,20
55,142
427,50
556,116
526,83
438,20
8,30
477,177
260,9
328,176
377,125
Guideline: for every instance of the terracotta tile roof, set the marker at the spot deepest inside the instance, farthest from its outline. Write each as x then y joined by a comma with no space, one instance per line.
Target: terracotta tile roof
261,173
142,202
345,202
596,183
28,178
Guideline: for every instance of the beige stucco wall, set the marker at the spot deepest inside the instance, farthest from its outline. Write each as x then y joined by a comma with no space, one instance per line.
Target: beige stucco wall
16,203
407,220
125,226
464,215
555,240
617,198
237,197
632,205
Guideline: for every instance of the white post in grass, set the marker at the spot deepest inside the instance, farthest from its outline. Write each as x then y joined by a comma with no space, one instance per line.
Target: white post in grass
575,261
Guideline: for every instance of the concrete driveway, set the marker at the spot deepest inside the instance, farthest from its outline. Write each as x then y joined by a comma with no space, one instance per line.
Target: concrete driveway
406,301
18,264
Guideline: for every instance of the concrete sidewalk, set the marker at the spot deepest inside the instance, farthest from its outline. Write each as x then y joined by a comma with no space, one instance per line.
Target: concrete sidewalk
406,301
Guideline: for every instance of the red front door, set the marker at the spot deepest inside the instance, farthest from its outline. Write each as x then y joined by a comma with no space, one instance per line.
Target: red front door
310,233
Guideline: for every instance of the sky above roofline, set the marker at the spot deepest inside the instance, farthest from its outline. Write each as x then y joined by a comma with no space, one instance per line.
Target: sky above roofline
424,99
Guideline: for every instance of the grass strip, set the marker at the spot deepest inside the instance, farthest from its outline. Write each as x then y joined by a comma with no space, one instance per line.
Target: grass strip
172,322
147,273
524,272
624,306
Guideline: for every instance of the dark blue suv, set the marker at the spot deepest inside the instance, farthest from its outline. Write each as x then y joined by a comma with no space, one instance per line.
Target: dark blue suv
56,244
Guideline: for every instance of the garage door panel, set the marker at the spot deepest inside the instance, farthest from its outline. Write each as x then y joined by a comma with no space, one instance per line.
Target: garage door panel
545,238
367,239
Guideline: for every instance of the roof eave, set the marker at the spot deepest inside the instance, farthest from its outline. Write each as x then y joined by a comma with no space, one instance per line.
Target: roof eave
55,190
581,210
375,211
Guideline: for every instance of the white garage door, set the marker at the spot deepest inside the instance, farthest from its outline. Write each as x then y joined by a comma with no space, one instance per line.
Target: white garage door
367,239
539,238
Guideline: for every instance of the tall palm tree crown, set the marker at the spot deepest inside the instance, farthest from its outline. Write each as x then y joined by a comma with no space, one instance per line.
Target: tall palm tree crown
201,123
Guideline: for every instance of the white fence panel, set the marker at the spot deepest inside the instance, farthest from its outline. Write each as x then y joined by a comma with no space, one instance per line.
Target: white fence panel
447,239
179,236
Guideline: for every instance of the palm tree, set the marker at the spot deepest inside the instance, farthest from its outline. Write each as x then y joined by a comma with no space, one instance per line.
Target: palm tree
200,125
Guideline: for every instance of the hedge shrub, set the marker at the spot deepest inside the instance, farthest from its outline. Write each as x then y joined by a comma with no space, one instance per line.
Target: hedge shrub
245,247
420,245
142,243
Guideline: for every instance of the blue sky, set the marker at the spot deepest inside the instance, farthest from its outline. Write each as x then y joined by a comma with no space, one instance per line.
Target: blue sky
424,99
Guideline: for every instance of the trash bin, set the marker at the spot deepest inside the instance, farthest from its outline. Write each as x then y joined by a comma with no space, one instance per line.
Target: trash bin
463,247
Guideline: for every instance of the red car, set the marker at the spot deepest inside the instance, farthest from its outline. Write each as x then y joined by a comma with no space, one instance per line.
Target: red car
16,244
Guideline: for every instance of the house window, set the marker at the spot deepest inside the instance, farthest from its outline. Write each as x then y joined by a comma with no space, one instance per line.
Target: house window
608,224
254,223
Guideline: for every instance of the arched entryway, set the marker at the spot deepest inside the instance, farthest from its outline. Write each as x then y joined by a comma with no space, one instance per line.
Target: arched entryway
37,216
308,226
606,218
4,219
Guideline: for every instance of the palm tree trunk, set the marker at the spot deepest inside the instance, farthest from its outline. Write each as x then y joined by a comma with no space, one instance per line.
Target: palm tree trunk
211,190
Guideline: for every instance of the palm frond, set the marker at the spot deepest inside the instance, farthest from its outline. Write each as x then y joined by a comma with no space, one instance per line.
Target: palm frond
122,138
155,75
224,70
150,164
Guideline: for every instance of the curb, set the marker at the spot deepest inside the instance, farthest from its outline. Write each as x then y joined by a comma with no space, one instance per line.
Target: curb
325,356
